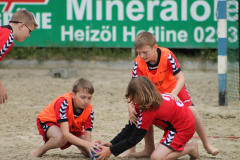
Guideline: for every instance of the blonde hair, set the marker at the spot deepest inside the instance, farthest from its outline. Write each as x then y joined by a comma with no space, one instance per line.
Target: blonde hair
83,84
24,16
144,38
145,90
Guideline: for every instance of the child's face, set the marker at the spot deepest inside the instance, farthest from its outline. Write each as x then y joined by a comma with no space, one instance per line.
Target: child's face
24,32
81,99
147,53
135,99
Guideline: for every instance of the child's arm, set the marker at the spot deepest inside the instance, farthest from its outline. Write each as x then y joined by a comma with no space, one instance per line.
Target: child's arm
75,140
3,94
123,144
132,114
175,67
136,72
88,125
179,85
127,138
87,136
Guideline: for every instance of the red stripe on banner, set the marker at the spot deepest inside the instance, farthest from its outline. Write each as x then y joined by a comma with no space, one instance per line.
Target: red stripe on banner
9,2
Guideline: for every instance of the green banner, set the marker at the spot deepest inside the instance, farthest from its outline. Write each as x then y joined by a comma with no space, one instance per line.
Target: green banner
115,23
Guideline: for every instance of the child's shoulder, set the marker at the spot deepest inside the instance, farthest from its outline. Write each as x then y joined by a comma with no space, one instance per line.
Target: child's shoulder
165,50
6,27
5,31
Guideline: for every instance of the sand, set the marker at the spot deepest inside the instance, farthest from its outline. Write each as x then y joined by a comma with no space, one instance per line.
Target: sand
30,90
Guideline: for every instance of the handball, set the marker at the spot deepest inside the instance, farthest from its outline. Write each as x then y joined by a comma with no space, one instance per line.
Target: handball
93,157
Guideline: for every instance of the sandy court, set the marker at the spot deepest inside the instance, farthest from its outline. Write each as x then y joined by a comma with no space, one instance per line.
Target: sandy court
30,90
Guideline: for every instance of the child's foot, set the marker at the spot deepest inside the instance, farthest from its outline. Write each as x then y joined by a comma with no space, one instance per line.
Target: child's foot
35,153
194,154
211,150
125,154
143,153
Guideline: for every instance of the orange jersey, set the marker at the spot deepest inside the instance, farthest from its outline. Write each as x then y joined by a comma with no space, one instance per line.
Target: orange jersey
163,79
48,114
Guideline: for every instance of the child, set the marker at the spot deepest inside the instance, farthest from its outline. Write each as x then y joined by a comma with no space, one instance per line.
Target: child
20,26
61,122
161,67
161,110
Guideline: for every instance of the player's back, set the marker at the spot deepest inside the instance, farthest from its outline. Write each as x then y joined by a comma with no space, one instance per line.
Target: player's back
174,114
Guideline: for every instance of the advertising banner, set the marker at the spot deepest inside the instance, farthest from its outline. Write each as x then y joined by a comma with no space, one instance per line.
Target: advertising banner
115,23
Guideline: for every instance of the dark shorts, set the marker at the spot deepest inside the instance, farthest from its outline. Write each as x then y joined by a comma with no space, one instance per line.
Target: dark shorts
43,128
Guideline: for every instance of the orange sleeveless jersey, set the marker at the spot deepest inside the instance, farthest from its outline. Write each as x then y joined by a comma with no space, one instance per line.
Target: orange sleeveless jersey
75,124
164,80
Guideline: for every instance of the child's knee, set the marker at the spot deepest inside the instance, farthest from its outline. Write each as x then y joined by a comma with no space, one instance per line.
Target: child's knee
193,109
155,157
60,141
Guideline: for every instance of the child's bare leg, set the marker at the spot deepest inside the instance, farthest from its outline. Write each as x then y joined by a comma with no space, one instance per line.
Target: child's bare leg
161,152
83,149
149,145
202,133
56,140
190,149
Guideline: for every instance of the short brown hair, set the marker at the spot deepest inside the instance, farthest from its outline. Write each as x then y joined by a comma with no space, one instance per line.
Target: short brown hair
84,84
145,90
25,17
144,38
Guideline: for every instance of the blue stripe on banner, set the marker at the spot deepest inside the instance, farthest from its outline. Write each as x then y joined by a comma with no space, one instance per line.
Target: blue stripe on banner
222,9
222,82
222,46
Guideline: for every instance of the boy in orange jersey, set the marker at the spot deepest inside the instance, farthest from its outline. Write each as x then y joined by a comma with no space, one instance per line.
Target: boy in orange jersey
20,26
161,67
61,122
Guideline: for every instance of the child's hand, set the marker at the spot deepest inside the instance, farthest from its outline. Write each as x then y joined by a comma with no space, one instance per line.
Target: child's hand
104,154
132,112
174,96
107,144
98,141
3,95
93,145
